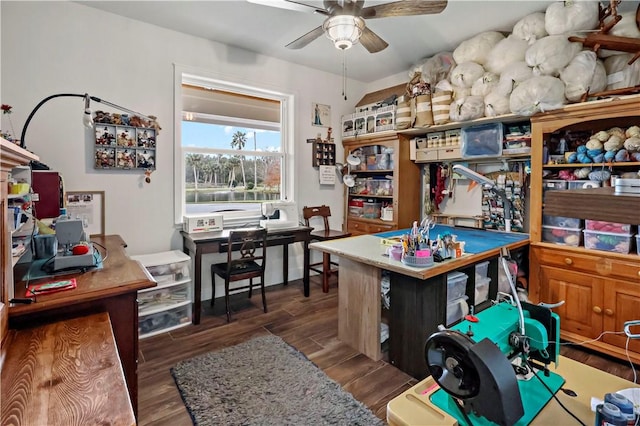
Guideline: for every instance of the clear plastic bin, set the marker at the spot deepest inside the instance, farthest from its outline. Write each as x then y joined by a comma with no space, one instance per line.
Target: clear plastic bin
607,241
638,243
561,221
482,290
583,184
482,269
163,298
612,227
560,235
456,285
164,321
456,310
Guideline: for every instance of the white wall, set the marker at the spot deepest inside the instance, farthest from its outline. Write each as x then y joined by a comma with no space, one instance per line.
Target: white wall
64,47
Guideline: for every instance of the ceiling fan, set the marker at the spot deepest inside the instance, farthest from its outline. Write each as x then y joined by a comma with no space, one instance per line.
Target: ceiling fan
345,22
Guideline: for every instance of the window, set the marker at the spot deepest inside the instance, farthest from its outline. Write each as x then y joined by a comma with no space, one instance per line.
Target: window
235,150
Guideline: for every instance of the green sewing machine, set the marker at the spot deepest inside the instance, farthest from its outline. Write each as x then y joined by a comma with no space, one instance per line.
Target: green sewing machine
492,368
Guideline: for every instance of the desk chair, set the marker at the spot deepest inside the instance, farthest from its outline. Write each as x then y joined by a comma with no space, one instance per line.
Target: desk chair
248,266
323,234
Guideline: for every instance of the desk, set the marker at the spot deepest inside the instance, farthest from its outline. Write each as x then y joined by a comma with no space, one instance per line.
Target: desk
413,407
418,295
65,373
112,289
195,245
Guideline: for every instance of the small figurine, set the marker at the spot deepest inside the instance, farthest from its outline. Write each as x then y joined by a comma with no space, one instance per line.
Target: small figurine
147,175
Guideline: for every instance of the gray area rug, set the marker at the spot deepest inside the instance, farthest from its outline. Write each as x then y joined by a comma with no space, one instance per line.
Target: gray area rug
264,381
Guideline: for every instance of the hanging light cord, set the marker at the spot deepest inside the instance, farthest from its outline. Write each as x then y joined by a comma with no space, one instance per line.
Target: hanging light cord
344,75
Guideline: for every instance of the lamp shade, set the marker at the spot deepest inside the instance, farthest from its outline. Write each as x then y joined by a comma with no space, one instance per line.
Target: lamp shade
343,30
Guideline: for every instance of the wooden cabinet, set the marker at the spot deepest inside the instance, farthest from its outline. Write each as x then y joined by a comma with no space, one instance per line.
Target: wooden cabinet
601,289
11,156
386,177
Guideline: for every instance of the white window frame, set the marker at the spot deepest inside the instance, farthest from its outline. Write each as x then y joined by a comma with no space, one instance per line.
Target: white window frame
190,76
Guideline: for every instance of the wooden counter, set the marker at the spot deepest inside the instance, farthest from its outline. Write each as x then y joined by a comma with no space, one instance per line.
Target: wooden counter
65,373
112,289
418,295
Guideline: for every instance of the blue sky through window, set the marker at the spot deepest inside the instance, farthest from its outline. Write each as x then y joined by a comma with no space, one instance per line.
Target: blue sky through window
213,136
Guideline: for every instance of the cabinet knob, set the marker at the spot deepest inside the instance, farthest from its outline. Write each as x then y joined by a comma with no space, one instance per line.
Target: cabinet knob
608,312
597,309
568,261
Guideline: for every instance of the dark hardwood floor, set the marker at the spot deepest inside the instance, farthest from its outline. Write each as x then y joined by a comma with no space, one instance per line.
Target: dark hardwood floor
310,325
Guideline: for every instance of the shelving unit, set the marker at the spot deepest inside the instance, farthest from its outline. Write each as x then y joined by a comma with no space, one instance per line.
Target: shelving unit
601,288
393,180
167,306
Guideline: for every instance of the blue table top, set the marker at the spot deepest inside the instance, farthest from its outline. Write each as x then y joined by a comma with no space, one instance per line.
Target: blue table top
476,240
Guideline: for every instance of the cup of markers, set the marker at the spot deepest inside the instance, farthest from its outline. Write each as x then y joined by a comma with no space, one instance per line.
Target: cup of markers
415,251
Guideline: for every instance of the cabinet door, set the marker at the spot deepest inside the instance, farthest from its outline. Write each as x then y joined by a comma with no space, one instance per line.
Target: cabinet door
621,304
582,311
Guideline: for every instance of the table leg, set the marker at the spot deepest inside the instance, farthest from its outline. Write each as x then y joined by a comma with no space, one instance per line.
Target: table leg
197,284
305,276
285,264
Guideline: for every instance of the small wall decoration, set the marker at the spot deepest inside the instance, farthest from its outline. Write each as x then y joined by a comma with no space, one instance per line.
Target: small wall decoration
89,206
123,142
320,115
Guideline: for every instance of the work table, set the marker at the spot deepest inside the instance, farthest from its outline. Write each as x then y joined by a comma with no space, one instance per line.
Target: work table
418,295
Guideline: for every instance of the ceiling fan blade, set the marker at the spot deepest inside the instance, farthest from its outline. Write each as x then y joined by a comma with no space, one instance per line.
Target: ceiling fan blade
306,39
404,8
372,41
290,5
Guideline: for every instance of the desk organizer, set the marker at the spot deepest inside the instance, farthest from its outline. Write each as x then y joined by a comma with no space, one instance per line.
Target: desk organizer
419,262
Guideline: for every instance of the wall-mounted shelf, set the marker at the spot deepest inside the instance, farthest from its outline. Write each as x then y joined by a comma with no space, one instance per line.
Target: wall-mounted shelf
579,165
324,154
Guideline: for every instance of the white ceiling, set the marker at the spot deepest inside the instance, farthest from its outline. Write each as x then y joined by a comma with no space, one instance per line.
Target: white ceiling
267,30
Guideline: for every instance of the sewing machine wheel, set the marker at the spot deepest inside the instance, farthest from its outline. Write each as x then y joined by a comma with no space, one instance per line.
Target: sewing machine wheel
447,356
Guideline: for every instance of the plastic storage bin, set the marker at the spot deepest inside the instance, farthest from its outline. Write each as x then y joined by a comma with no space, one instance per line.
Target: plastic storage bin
482,270
165,297
638,244
607,241
582,184
456,285
371,210
560,235
612,227
482,290
484,140
161,322
456,310
561,221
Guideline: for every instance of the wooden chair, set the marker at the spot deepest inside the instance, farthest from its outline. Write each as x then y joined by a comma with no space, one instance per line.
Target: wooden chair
248,265
324,234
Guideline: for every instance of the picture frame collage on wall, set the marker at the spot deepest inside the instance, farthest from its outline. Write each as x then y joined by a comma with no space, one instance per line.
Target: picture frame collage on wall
124,147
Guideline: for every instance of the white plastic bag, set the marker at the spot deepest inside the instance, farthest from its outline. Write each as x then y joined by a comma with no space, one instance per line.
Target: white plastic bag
485,84
541,93
495,103
620,74
438,67
466,73
513,75
530,28
567,16
551,54
504,53
584,73
477,48
470,108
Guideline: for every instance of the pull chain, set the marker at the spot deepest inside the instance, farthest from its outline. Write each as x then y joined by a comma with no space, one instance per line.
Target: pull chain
344,75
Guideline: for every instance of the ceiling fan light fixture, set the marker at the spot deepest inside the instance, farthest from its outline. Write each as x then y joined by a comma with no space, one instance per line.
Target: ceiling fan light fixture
344,30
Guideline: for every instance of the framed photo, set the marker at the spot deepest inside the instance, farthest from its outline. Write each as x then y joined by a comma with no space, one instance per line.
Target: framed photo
320,115
89,206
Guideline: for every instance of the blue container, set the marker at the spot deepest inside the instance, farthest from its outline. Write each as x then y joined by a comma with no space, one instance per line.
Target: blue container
625,406
608,414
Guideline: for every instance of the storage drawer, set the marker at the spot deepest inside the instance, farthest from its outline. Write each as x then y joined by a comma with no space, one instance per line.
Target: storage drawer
356,227
375,228
426,155
449,153
161,322
596,264
164,298
166,267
